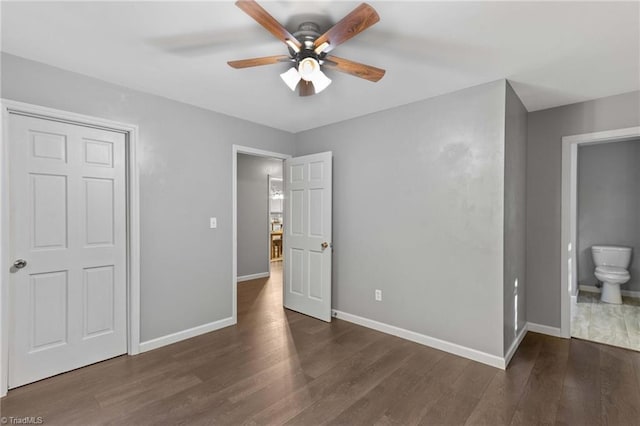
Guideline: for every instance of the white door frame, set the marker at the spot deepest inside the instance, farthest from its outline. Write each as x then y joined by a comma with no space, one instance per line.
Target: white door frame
133,220
239,149
568,270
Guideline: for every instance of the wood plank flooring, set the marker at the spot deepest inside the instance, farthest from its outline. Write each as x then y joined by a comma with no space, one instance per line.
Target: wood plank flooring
280,367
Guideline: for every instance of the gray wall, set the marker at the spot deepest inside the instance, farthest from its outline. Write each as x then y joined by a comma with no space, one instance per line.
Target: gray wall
544,157
514,217
401,175
253,212
418,208
608,204
185,177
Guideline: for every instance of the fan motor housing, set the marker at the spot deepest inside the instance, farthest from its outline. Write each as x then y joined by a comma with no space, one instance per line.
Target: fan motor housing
307,33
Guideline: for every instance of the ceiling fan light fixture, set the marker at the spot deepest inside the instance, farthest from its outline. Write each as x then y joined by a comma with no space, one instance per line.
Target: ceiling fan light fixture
307,68
320,81
291,78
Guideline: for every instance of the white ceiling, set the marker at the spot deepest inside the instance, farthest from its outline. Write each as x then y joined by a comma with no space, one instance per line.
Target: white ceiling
554,53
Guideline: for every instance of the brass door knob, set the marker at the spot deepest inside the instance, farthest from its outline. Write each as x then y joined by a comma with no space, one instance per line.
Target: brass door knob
324,245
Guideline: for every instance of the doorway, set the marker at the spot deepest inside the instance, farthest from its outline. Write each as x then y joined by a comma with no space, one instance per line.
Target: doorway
607,308
307,246
570,293
260,215
257,222
260,237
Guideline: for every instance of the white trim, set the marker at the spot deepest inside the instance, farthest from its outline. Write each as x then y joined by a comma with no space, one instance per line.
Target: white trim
544,329
568,277
185,334
235,150
253,277
4,255
133,219
443,345
515,345
616,135
594,289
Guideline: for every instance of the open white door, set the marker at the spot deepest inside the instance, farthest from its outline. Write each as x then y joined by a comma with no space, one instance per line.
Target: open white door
307,237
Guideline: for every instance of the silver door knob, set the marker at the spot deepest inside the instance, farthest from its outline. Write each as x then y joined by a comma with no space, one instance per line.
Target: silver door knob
20,263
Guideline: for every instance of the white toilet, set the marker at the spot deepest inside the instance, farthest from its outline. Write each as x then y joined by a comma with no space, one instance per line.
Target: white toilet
611,268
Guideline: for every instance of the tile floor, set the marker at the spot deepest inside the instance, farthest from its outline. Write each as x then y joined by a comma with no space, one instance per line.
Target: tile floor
616,325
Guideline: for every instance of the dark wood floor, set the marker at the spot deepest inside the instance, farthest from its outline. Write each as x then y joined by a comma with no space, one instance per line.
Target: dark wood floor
279,367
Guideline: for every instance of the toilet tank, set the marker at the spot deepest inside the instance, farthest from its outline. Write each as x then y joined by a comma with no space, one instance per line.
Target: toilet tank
611,256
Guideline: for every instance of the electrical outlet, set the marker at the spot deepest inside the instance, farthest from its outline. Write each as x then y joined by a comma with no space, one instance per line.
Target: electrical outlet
378,294
213,222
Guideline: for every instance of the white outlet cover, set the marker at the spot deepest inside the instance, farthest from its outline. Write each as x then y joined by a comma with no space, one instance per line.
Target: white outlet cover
213,222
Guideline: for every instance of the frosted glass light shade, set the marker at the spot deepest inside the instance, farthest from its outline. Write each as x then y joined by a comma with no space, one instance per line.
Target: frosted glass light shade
320,81
291,78
307,68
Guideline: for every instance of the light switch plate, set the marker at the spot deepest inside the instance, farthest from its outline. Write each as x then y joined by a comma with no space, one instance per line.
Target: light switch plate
213,222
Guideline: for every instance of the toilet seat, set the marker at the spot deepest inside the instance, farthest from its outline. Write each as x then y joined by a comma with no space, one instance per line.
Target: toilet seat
612,270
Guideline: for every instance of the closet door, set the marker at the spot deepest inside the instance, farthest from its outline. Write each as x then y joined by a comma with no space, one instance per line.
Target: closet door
68,242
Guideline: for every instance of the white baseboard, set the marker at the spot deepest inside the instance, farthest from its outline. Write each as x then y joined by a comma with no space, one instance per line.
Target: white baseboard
594,289
516,343
185,334
443,345
253,276
544,329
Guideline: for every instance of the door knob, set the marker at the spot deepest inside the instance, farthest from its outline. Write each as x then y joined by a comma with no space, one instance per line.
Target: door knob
324,245
20,263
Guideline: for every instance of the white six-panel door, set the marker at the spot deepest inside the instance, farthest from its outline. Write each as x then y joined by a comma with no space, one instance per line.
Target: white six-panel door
307,239
68,223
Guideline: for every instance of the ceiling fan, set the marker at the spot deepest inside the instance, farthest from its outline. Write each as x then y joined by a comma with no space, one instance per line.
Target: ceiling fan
308,49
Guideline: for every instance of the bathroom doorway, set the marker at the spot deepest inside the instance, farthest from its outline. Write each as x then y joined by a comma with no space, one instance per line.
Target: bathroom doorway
600,235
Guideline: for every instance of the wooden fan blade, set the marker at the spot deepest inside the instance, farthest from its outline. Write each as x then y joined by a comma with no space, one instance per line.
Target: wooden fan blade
262,17
361,18
354,68
306,88
256,62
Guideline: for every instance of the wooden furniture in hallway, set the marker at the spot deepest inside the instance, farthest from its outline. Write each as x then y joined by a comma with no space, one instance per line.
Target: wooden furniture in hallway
276,245
276,366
